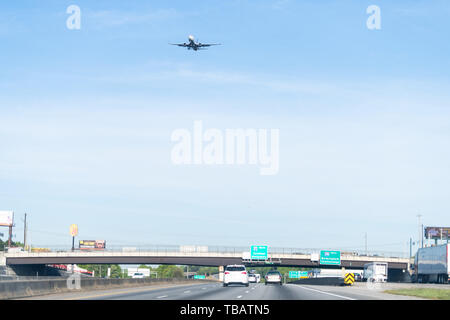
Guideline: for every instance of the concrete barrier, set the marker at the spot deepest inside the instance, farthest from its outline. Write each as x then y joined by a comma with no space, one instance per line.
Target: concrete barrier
23,289
322,281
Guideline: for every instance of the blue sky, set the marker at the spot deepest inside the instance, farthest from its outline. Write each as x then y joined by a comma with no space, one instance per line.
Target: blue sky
87,115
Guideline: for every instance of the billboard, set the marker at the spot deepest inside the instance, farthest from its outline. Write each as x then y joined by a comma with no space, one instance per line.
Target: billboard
92,244
437,232
6,218
73,230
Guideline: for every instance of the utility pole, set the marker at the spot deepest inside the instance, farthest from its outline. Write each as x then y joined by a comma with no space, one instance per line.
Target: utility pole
365,240
25,232
10,236
420,232
410,247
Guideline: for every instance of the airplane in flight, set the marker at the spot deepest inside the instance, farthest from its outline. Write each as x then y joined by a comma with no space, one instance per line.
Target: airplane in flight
194,45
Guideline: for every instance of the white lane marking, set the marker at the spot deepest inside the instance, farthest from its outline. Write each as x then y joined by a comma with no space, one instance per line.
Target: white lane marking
247,291
203,288
160,297
331,294
187,291
239,297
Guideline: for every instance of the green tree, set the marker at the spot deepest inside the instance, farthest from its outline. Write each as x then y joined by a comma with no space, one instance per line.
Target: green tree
116,271
208,270
101,270
4,244
144,266
192,268
169,271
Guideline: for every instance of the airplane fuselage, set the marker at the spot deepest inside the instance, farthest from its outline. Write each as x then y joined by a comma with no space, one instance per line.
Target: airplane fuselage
191,44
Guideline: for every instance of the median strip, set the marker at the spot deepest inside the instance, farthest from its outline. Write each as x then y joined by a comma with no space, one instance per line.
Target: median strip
427,293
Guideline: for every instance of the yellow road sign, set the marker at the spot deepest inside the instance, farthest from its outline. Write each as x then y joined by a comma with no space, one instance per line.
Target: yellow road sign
349,278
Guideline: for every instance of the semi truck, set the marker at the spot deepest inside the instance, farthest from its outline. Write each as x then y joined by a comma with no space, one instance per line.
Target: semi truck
432,264
375,272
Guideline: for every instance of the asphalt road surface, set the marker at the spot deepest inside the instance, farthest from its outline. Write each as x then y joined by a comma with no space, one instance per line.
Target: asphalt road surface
215,291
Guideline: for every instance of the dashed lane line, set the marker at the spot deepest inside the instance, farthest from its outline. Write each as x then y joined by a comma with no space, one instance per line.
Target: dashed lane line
112,294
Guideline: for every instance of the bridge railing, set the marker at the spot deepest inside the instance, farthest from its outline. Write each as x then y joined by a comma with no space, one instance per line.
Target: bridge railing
161,249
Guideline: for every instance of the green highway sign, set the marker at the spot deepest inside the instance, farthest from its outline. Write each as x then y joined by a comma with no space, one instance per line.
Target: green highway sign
199,276
298,274
330,257
258,252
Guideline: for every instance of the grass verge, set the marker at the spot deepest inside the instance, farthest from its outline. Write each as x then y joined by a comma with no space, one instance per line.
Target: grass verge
435,294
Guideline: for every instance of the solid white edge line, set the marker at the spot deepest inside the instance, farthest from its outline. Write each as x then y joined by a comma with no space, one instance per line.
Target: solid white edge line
331,294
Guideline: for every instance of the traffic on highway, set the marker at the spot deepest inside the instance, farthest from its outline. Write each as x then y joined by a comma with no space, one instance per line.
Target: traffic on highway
216,291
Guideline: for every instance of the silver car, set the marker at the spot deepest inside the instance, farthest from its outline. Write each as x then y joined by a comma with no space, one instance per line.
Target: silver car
274,276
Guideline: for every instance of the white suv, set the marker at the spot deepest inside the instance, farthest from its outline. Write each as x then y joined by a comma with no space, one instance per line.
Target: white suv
235,274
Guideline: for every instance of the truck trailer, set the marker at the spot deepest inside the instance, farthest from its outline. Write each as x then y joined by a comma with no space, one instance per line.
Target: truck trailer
432,264
375,272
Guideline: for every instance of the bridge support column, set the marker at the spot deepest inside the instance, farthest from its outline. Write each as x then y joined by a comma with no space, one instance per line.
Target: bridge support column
343,272
2,259
221,268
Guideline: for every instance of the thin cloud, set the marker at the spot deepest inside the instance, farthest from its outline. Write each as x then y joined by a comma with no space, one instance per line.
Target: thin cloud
111,18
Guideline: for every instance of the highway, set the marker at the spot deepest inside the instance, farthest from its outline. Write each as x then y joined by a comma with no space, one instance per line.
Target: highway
215,291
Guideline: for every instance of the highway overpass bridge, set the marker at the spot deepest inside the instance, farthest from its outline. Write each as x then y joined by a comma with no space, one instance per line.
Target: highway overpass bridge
26,260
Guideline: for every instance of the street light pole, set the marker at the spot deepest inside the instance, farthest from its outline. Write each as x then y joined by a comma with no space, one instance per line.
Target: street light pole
410,247
420,233
365,240
25,233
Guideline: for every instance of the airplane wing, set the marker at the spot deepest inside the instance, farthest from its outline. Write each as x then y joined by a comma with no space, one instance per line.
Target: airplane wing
208,44
179,44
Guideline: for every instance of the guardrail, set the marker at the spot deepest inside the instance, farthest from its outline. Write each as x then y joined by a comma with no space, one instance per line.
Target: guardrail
23,289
